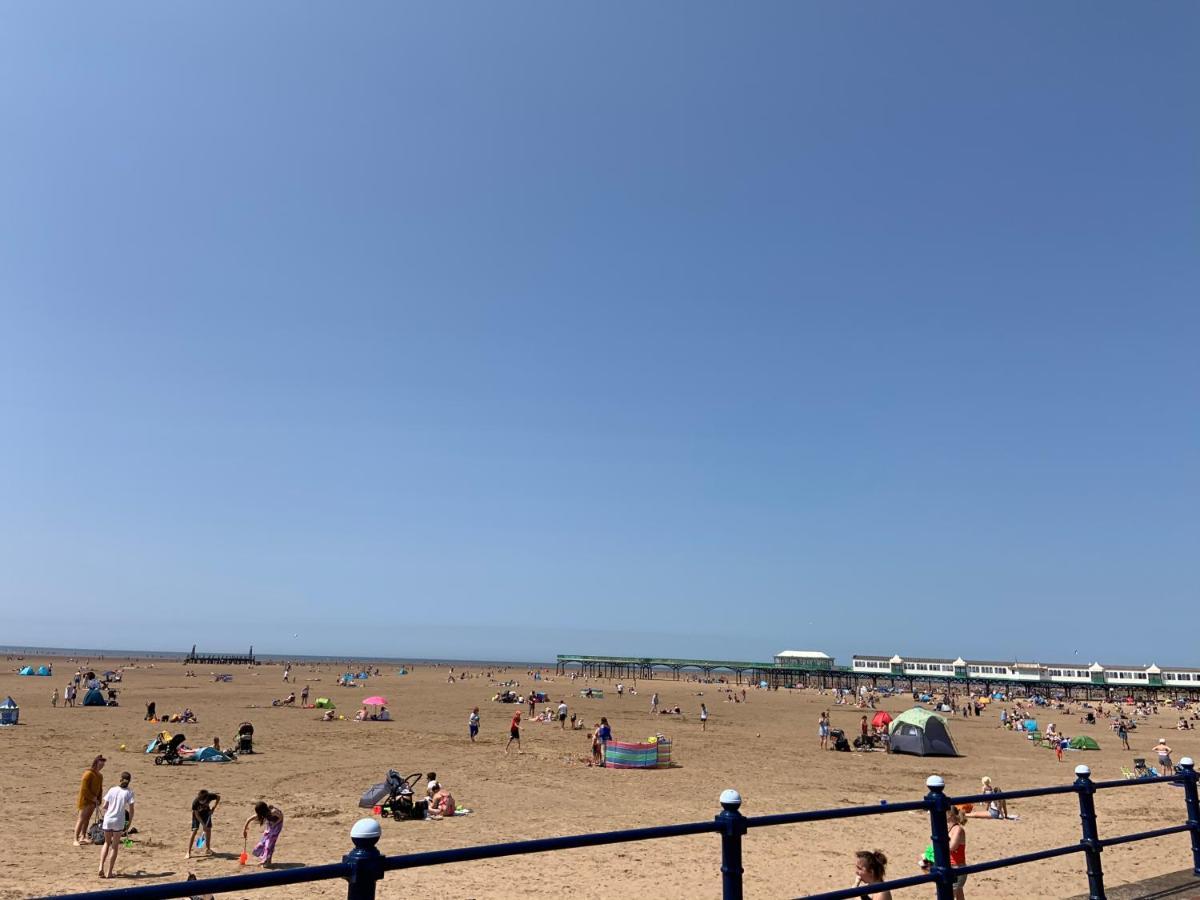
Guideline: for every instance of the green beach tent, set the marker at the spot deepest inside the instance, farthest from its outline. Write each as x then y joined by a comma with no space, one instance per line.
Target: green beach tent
1083,742
921,732
323,703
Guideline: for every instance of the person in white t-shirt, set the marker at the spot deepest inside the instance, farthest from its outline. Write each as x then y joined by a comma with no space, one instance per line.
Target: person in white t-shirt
116,812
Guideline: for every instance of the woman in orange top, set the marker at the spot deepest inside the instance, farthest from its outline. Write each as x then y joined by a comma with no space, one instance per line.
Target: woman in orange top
955,822
91,789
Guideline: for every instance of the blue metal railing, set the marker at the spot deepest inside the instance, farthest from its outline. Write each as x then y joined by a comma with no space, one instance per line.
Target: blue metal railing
364,866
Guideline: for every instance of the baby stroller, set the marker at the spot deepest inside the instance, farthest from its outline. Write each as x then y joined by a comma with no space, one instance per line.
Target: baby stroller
168,753
394,798
839,740
244,742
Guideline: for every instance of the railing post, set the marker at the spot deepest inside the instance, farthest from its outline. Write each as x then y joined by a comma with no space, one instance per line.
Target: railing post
1192,799
365,860
1091,834
937,804
733,826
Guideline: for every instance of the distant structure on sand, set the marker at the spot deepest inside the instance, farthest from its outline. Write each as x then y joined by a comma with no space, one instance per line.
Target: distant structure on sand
220,659
814,668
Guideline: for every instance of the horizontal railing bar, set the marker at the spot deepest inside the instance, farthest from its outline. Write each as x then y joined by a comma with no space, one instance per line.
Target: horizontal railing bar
1144,835
821,815
1014,795
1129,782
542,845
895,885
1018,860
224,884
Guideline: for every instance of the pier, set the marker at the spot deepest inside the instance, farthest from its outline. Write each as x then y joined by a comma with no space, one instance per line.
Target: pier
220,659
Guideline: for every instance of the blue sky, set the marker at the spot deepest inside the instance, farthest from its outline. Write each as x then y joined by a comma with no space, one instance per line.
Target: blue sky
679,328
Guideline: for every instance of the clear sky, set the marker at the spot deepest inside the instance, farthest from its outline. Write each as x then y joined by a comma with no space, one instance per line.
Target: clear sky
502,330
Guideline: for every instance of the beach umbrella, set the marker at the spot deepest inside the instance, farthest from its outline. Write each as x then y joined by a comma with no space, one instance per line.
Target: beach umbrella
881,719
375,701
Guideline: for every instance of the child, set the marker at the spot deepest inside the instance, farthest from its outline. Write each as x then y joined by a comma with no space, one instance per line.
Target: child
203,808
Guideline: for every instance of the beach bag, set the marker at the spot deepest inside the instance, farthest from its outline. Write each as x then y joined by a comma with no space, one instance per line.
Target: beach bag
374,795
96,833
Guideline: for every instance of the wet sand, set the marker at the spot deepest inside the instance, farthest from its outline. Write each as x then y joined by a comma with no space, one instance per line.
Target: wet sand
766,748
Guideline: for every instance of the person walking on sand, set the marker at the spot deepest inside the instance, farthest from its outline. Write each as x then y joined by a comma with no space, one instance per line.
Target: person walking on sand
562,714
654,702
1123,734
514,732
473,724
703,717
271,819
91,789
304,696
117,813
203,808
54,699
823,730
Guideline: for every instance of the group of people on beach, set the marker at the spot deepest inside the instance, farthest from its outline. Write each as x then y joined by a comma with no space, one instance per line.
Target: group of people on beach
114,813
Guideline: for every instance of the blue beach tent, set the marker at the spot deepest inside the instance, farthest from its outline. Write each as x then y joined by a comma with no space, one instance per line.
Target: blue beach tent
26,670
94,698
10,713
43,670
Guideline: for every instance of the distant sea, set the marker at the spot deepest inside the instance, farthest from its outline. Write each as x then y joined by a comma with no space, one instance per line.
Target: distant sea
175,656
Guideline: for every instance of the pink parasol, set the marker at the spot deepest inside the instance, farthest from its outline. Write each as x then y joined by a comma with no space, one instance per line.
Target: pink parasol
375,701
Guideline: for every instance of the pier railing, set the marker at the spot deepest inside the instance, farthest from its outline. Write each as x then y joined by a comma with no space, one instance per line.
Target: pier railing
364,866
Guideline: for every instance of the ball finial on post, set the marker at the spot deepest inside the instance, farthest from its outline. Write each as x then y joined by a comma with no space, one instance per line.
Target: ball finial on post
365,833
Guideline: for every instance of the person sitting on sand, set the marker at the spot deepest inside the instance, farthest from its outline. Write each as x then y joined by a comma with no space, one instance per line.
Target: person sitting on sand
384,715
441,804
869,868
188,716
361,715
328,716
996,809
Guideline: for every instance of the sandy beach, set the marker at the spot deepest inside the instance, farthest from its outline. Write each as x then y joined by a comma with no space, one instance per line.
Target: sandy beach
767,748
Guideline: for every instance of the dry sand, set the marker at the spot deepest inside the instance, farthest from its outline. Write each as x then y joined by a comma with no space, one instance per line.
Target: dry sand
766,748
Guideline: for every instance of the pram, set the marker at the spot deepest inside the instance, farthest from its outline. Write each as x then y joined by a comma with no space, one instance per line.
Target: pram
168,753
244,742
839,740
394,797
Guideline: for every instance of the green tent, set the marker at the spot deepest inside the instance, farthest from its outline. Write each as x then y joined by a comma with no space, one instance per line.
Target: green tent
1083,742
921,732
323,703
